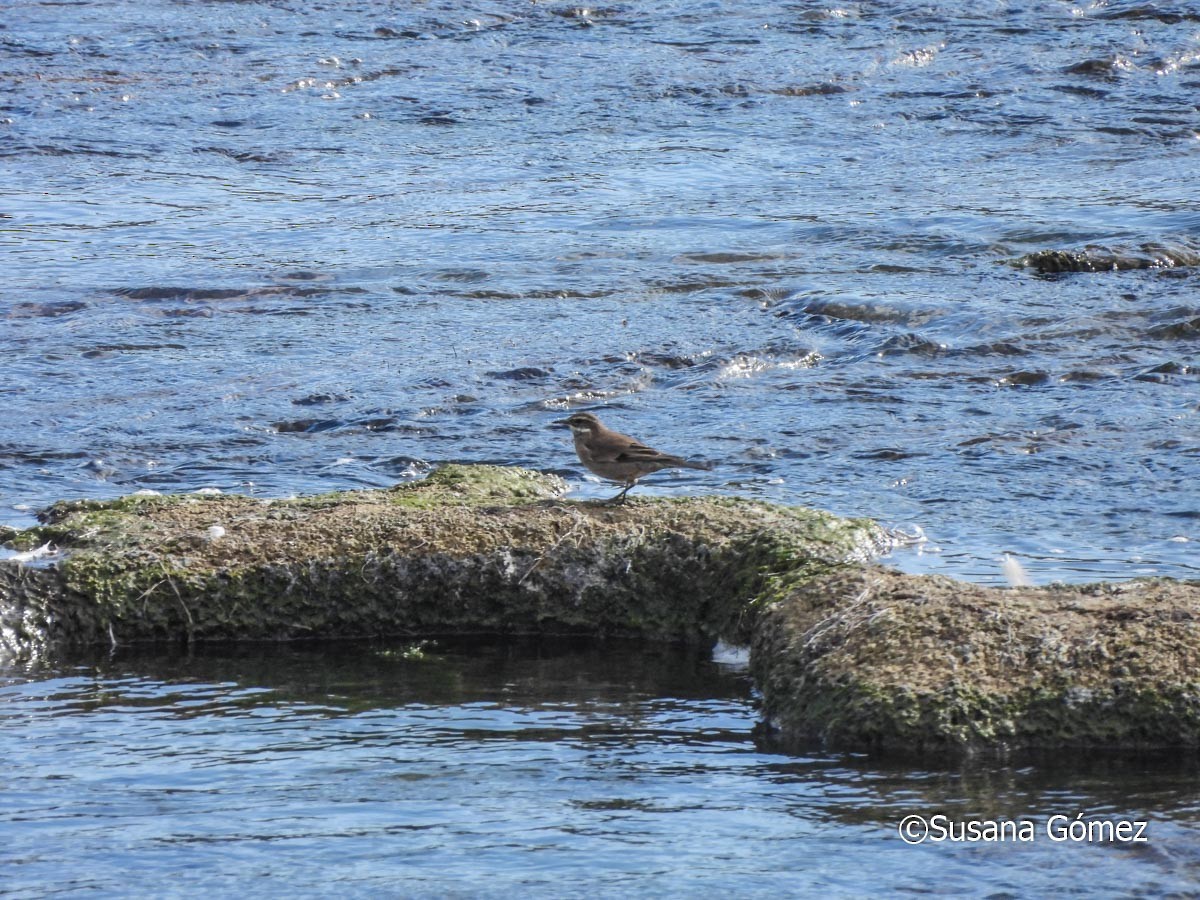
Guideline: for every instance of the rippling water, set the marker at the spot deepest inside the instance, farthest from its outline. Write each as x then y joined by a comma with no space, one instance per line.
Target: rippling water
558,769
285,247
278,247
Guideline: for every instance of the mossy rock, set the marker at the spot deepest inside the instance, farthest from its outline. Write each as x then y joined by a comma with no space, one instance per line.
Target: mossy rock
867,658
847,655
469,549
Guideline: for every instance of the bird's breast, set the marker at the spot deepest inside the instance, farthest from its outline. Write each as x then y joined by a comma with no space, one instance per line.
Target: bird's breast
585,455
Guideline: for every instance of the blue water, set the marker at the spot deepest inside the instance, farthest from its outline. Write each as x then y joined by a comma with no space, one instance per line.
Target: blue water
284,248
277,248
548,769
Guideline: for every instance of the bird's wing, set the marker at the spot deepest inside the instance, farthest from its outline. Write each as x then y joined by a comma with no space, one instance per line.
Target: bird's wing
637,452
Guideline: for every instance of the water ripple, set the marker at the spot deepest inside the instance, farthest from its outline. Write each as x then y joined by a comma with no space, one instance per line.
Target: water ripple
274,252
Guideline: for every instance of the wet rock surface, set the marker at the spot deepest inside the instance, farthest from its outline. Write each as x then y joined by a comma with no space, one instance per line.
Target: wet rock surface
1108,259
469,549
847,654
868,658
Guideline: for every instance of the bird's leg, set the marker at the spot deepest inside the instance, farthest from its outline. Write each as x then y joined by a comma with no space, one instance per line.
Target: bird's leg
620,498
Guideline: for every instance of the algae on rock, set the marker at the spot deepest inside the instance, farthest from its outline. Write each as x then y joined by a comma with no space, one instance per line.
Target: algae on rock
868,658
468,549
846,654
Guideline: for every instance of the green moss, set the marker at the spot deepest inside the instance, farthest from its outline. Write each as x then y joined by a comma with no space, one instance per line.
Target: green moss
449,485
869,658
69,523
962,719
849,655
28,539
133,503
471,548
468,485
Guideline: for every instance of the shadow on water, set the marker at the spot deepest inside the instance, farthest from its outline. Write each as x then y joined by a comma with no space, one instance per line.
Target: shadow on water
334,679
350,677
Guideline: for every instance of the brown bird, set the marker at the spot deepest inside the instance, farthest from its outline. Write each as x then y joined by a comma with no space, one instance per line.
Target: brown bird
618,457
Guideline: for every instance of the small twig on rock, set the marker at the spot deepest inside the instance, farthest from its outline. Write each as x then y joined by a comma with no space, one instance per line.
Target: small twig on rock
848,618
191,635
574,529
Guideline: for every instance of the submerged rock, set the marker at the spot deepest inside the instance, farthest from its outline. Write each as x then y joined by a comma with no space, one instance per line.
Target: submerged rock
1105,259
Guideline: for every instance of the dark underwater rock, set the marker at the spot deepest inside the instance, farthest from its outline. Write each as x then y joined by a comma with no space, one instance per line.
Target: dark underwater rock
1105,259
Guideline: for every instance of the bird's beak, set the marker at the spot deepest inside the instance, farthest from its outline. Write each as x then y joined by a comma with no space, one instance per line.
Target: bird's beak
561,422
